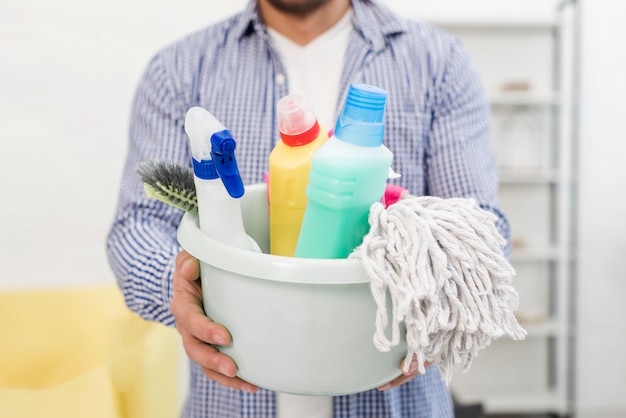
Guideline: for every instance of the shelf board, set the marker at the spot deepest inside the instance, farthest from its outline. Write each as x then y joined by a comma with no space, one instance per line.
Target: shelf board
534,403
524,98
528,176
518,402
535,254
496,23
541,330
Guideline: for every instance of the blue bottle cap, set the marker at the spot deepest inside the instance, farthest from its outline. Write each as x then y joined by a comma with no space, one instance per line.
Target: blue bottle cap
361,121
223,153
204,169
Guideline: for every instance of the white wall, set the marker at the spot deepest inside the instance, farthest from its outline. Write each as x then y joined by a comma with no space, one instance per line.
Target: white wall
496,11
602,229
68,70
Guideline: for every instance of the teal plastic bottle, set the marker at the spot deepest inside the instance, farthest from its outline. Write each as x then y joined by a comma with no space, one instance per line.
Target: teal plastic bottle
348,174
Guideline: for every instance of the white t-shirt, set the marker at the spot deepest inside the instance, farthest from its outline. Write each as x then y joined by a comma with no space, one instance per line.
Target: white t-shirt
314,72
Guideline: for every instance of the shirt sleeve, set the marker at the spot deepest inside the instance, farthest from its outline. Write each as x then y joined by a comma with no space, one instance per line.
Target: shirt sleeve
141,244
459,155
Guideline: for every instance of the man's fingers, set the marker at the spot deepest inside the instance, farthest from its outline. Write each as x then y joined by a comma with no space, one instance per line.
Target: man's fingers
413,369
205,330
187,266
191,319
396,382
406,375
198,332
208,357
233,382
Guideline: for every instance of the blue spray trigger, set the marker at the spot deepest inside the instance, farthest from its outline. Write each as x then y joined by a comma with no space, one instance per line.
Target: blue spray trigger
204,169
223,153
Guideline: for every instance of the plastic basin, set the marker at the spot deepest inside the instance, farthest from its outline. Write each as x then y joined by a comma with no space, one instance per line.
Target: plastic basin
300,326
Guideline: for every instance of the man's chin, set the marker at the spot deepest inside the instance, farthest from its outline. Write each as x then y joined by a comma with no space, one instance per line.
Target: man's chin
297,7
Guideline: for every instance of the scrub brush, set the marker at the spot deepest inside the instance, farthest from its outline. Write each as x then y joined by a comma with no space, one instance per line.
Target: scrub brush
170,183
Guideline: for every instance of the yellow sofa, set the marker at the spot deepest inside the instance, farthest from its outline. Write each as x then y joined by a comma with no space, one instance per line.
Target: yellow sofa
81,353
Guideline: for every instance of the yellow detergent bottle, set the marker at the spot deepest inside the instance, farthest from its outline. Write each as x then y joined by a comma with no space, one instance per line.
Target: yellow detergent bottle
290,163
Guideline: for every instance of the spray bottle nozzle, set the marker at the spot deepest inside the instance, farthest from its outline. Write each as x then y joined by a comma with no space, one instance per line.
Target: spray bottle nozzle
222,151
224,143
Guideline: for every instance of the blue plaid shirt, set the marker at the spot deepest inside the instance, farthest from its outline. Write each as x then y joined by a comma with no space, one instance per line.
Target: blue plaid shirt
437,126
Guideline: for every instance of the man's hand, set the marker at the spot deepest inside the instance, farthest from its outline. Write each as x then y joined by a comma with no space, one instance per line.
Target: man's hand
406,376
198,332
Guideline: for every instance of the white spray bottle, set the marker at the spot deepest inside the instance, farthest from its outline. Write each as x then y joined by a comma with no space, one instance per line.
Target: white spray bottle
216,176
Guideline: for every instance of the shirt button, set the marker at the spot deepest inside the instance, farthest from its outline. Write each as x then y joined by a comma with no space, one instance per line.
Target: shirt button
280,79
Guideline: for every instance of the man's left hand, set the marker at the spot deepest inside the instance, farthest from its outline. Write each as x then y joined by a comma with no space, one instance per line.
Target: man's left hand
406,376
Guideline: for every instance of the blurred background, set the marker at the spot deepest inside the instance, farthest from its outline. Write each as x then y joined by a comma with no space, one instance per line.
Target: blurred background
554,71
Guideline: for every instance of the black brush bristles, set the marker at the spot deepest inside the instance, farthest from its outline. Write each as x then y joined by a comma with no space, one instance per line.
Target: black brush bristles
170,183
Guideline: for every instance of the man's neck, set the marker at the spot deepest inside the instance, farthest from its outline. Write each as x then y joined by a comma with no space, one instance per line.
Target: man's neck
303,28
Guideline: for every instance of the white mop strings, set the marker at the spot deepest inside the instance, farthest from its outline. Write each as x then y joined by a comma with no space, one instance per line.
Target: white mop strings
441,263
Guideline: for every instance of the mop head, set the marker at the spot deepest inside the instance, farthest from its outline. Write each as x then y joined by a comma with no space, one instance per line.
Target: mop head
441,263
170,183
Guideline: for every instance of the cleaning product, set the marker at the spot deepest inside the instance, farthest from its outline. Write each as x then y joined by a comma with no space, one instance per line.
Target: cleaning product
289,166
216,176
348,174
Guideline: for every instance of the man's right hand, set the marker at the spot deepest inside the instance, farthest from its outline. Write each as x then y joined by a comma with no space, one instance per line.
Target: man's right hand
199,334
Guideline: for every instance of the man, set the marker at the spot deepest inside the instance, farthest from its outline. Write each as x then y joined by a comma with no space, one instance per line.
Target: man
436,125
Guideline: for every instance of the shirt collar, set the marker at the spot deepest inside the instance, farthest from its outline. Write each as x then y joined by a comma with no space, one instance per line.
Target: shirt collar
375,23
249,21
372,21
